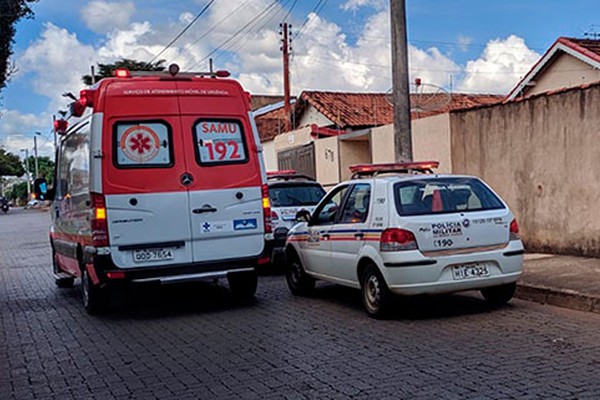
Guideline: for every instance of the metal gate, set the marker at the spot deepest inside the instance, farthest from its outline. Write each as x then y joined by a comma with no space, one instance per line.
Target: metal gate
301,159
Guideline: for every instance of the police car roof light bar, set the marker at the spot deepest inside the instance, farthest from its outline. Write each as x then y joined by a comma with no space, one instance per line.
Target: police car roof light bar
281,172
374,169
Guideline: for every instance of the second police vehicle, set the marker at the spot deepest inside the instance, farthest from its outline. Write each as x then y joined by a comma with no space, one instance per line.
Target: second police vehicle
400,229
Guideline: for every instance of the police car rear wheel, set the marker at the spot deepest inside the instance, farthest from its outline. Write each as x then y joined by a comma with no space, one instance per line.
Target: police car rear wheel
298,281
498,295
94,298
243,285
375,294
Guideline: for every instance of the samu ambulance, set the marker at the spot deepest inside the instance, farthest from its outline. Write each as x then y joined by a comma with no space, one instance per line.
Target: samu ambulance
161,181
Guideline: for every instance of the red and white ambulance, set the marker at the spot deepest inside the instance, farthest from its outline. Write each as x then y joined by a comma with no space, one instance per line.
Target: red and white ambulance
161,180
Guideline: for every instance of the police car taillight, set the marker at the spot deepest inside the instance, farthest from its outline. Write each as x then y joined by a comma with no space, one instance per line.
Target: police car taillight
395,239
98,220
266,203
514,230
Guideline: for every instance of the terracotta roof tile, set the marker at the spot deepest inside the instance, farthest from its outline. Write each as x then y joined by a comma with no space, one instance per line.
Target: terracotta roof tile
365,110
261,100
588,47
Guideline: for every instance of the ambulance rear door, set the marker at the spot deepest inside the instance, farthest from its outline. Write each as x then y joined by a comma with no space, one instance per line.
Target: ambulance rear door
225,189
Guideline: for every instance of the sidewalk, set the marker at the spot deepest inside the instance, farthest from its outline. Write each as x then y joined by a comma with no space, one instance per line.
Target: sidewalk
563,281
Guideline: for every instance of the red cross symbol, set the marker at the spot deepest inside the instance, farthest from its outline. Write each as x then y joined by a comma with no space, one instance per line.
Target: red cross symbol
140,143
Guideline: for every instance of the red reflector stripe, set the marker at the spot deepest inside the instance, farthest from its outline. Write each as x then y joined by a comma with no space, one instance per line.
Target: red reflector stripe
115,275
264,260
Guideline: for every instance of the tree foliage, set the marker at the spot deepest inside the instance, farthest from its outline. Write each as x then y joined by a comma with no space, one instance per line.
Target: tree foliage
107,70
10,164
11,11
45,168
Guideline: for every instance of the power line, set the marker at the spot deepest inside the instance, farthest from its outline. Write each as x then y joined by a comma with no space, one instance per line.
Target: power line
220,46
290,11
240,43
212,28
316,10
183,31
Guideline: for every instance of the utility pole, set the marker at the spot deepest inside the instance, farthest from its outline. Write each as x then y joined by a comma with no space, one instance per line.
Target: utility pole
286,48
28,173
35,154
401,92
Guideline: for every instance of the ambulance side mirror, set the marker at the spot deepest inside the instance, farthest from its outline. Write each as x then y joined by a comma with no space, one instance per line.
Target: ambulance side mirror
41,190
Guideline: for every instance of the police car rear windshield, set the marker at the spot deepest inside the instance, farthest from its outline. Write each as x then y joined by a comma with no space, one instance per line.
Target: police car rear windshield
295,195
443,196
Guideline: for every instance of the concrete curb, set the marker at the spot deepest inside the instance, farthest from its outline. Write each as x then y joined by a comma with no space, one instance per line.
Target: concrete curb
558,297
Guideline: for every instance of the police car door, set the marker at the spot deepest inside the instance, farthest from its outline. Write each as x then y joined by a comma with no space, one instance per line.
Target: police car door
316,253
350,232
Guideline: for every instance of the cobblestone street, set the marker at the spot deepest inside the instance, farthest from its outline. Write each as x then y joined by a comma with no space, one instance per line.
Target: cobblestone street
196,342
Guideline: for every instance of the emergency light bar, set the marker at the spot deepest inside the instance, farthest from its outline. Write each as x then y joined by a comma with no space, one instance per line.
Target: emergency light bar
173,71
286,175
374,169
282,172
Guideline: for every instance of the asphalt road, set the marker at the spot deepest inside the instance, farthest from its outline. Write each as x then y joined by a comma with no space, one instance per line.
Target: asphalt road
195,342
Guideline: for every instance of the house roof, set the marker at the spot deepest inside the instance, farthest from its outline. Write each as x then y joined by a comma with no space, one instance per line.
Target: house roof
261,100
360,110
366,110
586,50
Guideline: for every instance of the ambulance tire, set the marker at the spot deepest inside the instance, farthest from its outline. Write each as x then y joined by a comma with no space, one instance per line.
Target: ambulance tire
243,284
375,294
299,282
499,295
95,300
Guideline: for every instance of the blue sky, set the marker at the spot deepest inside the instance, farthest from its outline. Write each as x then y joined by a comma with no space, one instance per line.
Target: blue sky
462,45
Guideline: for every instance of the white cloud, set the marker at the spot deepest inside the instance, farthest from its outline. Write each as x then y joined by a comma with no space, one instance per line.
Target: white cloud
58,61
17,130
464,42
354,5
103,16
500,67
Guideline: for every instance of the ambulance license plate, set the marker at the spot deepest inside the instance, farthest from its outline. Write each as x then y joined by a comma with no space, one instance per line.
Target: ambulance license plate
468,271
147,255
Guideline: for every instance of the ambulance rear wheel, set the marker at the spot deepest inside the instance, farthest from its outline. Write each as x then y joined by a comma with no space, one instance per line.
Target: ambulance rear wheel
243,284
95,300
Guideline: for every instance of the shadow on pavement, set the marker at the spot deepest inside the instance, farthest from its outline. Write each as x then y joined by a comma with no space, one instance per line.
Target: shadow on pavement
415,307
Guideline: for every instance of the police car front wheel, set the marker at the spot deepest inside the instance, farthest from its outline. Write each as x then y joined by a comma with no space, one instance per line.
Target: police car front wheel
298,281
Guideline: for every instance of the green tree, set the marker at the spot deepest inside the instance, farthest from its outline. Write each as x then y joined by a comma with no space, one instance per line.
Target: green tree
45,168
10,164
11,11
107,70
18,192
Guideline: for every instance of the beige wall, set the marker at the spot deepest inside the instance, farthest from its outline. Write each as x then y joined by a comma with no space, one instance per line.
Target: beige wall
353,152
327,161
291,139
312,116
565,71
430,141
542,156
269,155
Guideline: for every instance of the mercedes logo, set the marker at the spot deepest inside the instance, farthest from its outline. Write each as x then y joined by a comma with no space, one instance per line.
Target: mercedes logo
186,179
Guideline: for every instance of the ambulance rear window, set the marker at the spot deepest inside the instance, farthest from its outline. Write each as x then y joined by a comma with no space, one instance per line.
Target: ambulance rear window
219,142
142,144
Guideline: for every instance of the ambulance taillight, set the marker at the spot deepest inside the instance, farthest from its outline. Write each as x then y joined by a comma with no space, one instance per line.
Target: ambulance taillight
98,221
266,203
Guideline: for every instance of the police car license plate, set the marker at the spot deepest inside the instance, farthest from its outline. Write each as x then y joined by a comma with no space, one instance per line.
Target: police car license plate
467,271
146,255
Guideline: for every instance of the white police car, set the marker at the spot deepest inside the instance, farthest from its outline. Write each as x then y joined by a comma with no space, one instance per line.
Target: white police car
289,193
399,228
